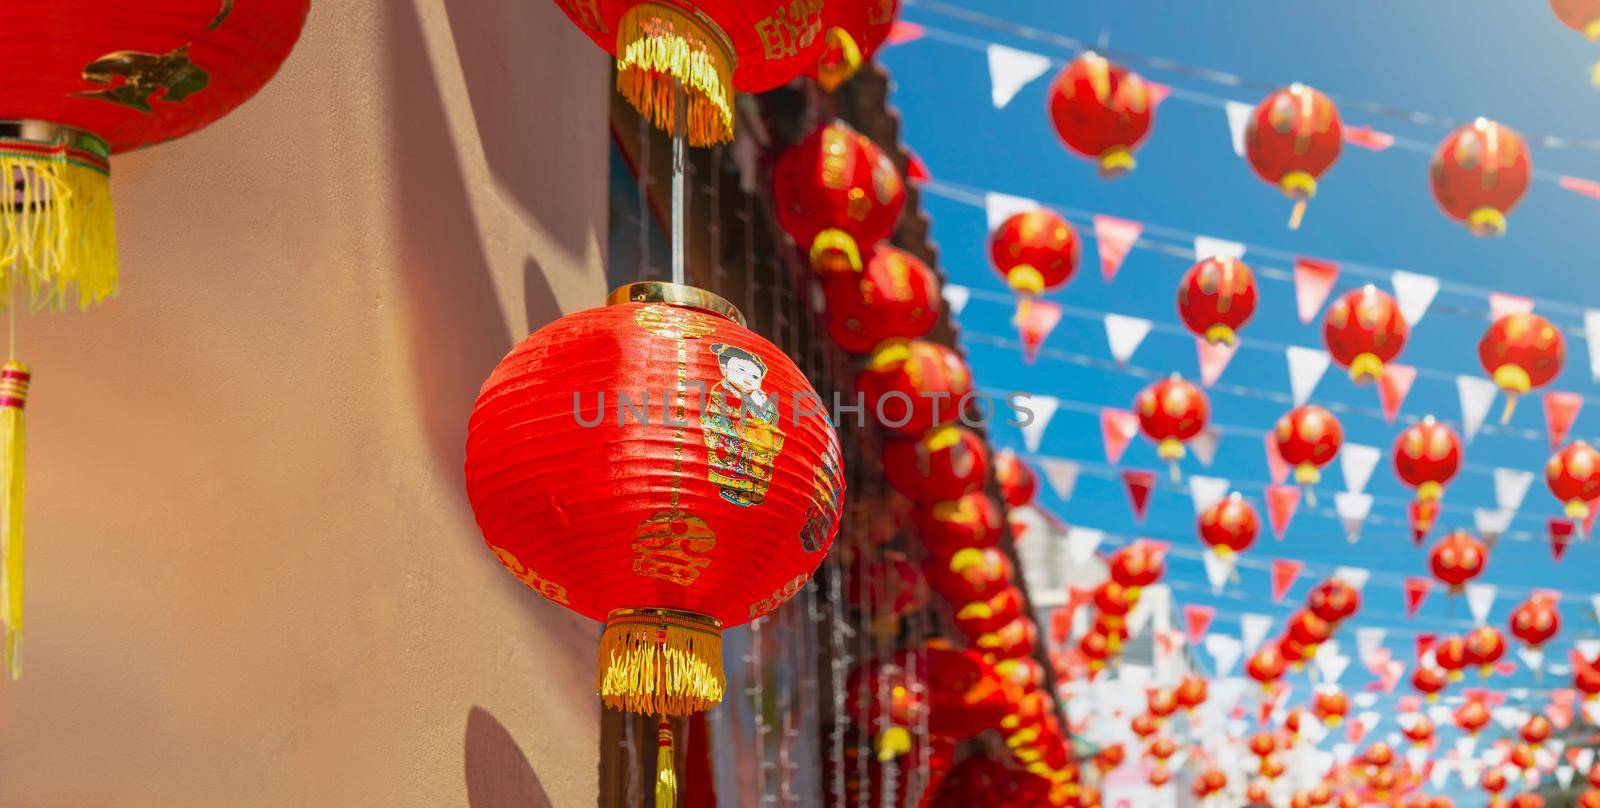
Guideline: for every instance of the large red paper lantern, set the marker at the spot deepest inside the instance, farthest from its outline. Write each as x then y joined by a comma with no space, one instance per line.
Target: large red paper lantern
1216,298
989,615
1035,251
894,296
854,32
1293,137
1573,475
710,511
1102,111
1479,173
947,528
1172,412
965,694
943,464
1266,665
1017,482
911,386
1365,330
1485,646
1536,620
1521,352
1229,526
1426,456
708,48
1333,601
1136,566
1308,438
1457,559
973,574
1582,16
837,194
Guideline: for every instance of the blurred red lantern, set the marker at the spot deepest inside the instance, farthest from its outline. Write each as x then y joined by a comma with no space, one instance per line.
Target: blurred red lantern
1272,768
680,535
1330,707
1292,138
1586,679
1172,412
1485,646
1364,330
1211,781
1216,298
965,696
1229,526
912,386
1022,675
1262,744
1573,475
1472,716
1161,702
853,32
982,780
1420,730
1527,800
1162,748
1427,681
895,296
1451,656
1334,600
1536,620
1493,781
1144,725
1536,730
969,575
885,695
1017,482
1294,652
1479,173
1457,559
990,614
944,464
1096,648
1589,799
1138,565
1266,665
1379,754
1426,456
1035,251
1113,599
1109,757
1308,630
1102,111
837,195
1018,638
886,585
1159,776
1582,16
947,528
1521,352
1308,438
1257,793
1192,692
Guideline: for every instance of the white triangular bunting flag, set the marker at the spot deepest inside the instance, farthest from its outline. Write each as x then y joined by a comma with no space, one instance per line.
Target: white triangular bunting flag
1218,570
1369,641
1439,775
1061,474
1238,121
1356,577
1510,487
1584,758
1208,247
1491,523
1225,652
1041,410
1010,70
1594,603
1001,207
1353,512
1124,334
1357,463
1480,599
955,298
1417,757
1477,396
1332,666
1591,335
1414,293
1204,445
1588,648
1306,366
1082,543
1253,629
1564,776
1532,658
1206,491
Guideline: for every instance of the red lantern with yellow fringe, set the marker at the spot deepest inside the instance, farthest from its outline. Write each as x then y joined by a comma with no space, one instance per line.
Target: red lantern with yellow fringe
944,464
1017,482
1308,438
1365,330
1294,136
1330,706
895,296
1102,111
1172,412
972,574
1521,352
87,79
947,528
1136,566
1457,559
1582,16
990,614
705,48
1426,456
1216,298
1573,475
837,195
1334,601
1480,173
854,31
1018,638
1536,620
911,386
1229,526
1485,646
710,510
1266,665
1035,251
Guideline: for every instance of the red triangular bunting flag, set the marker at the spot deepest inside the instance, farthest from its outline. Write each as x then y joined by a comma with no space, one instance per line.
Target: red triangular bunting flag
1158,92
1284,573
1367,138
1114,237
1213,359
1560,410
1117,428
916,170
1425,643
1560,536
1139,485
1276,465
1035,319
1580,186
1282,500
1313,280
1423,512
1197,619
1393,387
901,32
1417,590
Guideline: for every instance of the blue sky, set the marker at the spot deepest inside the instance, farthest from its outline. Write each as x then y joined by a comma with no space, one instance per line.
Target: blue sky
1512,62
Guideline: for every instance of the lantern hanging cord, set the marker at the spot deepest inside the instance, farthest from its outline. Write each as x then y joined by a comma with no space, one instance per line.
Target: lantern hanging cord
680,159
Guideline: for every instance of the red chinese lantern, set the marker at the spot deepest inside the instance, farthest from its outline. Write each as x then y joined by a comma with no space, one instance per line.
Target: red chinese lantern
1573,475
837,195
1192,692
1334,600
1229,526
1144,725
1018,485
1586,679
965,695
911,386
1535,621
1528,800
1291,139
982,780
1109,757
1102,111
1211,781
1216,298
1582,16
1136,566
1536,730
1308,630
1485,646
1262,744
1257,793
1472,716
853,33
85,80
973,574
1451,656
1161,702
1162,748
1272,768
1308,438
1112,599
1589,799
708,48
1457,559
1479,173
947,528
1018,638
1419,731
1379,754
1521,352
1159,776
1364,330
990,614
1096,648
1172,412
943,464
1330,707
1427,681
895,297
1266,665
1035,251
1494,780
887,585
1426,456
668,534
884,695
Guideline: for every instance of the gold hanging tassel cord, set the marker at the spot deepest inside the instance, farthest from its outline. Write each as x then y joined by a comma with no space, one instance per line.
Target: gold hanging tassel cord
660,662
666,767
14,380
661,48
57,228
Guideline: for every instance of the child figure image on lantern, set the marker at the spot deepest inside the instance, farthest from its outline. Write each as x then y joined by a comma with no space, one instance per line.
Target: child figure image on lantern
741,428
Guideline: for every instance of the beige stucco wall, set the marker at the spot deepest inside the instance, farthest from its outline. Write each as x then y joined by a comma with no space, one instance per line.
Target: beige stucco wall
253,576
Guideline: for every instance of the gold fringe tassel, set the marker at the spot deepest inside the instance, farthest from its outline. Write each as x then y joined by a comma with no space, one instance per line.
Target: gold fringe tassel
14,381
57,228
666,767
661,662
834,250
660,49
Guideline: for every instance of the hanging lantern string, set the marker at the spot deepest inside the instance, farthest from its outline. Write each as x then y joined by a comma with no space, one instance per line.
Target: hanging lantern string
680,193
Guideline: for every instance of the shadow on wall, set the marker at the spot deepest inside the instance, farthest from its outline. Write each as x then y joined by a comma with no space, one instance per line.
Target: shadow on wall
498,774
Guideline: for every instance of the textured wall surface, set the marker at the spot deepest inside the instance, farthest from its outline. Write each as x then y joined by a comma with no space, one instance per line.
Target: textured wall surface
254,579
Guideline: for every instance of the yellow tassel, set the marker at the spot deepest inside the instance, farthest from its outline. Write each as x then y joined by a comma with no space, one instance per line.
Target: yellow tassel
57,228
834,250
666,767
14,380
660,662
660,49
840,60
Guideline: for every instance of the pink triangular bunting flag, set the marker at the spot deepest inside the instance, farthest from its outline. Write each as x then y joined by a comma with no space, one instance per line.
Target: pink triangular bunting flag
902,32
1139,485
1158,92
1393,387
1197,620
1114,237
1313,280
1213,359
1276,465
1367,138
1284,573
1580,186
1282,500
1035,319
1117,428
1560,410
